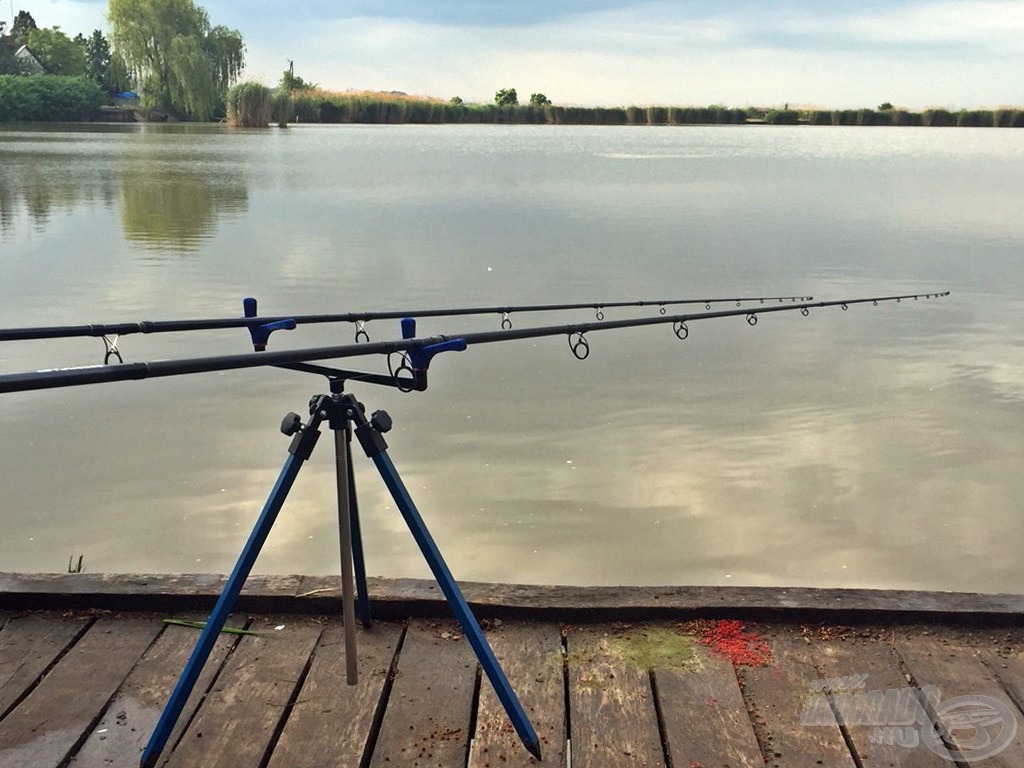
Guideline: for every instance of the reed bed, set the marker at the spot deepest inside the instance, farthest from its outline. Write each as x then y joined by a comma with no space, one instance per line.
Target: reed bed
319,106
251,104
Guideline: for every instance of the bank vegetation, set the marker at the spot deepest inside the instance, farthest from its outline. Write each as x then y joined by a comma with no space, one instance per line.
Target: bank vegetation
254,105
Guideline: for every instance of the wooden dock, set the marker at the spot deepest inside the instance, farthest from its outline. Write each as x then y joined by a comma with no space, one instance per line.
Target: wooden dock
679,678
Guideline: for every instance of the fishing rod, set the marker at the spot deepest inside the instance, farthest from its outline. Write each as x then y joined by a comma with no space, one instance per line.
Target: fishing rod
346,416
418,351
251,319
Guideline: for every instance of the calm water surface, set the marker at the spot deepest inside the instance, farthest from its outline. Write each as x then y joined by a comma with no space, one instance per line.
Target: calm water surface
877,447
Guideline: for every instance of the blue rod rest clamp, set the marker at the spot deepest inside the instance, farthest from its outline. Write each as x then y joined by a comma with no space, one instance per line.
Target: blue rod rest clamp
420,357
260,333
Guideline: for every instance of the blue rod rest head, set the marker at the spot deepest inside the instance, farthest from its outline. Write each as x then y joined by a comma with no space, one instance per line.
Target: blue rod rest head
260,332
421,356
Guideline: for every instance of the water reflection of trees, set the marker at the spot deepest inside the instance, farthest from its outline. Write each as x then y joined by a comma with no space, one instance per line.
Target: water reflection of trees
165,206
176,210
41,185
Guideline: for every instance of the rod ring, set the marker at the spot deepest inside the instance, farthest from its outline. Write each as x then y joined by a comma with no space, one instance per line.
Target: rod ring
707,305
579,346
752,319
403,367
361,334
680,329
661,310
506,322
875,302
805,311
112,350
600,313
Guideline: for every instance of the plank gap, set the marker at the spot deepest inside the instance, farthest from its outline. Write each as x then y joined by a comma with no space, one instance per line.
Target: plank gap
565,690
474,712
751,707
286,713
382,703
77,746
182,729
847,737
49,668
659,715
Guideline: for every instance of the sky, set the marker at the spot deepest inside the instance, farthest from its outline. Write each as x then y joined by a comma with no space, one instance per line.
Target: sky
825,53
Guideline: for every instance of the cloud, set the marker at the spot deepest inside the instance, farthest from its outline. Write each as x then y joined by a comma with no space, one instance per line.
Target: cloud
914,53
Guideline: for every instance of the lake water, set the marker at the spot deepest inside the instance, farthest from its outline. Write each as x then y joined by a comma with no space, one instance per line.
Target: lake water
878,447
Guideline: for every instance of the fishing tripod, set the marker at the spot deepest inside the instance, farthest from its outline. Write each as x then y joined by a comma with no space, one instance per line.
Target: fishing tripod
345,415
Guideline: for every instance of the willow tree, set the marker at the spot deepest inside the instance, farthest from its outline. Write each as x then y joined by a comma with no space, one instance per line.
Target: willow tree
178,61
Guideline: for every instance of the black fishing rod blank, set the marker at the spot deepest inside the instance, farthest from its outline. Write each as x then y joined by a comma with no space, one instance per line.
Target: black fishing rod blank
419,350
251,319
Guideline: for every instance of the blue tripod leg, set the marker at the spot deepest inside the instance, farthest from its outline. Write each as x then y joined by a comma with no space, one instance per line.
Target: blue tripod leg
300,450
470,627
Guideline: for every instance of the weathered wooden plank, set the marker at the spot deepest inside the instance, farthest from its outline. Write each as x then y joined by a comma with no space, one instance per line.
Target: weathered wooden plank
956,671
238,721
877,706
611,705
531,655
332,722
44,729
431,703
1008,667
127,723
705,719
776,694
28,646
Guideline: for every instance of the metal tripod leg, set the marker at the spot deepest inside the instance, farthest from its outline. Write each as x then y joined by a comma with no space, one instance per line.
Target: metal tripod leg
348,599
358,561
376,449
300,450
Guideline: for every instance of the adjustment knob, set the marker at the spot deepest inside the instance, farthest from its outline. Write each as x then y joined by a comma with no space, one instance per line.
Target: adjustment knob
291,423
381,421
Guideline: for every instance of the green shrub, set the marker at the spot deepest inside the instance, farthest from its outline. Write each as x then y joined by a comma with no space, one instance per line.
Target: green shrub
39,98
782,117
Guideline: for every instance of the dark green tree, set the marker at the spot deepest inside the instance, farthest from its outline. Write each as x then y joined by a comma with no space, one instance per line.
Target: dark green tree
99,63
885,107
506,97
178,61
539,100
23,24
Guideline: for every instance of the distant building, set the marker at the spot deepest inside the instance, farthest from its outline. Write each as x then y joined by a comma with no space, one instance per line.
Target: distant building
29,62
